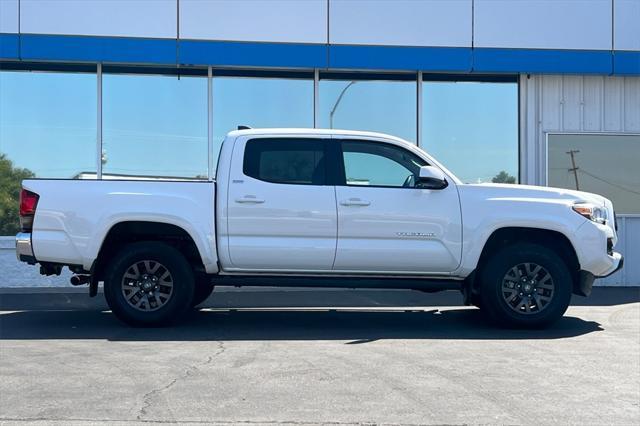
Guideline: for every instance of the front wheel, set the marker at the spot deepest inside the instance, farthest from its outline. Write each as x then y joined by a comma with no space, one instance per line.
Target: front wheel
149,284
203,289
525,285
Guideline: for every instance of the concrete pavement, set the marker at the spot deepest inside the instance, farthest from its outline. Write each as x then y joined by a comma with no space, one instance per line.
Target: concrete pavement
335,357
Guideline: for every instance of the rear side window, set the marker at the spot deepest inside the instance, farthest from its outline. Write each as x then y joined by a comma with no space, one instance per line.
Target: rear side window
285,160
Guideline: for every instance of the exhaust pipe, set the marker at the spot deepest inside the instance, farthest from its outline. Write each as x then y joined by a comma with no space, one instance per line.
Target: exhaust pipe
80,279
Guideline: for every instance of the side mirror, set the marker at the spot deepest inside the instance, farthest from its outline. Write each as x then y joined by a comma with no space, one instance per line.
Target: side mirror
431,178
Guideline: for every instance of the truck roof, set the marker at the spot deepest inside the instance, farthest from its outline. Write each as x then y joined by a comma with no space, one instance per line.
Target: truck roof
310,131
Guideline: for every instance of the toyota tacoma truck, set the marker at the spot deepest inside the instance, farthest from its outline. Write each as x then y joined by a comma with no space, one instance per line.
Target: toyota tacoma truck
320,208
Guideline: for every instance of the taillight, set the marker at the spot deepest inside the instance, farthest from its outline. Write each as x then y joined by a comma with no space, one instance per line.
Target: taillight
28,204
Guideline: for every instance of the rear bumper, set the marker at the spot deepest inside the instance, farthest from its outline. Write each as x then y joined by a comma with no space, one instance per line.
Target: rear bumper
586,278
24,249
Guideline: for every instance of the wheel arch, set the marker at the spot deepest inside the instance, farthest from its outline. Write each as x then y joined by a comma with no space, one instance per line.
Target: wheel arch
551,239
126,232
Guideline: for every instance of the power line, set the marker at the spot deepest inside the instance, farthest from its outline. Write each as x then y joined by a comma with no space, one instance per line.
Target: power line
609,183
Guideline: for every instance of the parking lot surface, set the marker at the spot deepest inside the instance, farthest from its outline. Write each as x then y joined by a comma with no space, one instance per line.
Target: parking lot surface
314,357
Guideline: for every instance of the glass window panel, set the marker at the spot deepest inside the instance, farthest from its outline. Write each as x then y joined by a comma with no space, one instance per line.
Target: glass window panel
292,161
472,128
380,106
154,125
379,165
606,165
259,102
48,123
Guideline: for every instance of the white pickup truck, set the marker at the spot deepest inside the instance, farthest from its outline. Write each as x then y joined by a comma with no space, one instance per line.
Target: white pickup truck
320,208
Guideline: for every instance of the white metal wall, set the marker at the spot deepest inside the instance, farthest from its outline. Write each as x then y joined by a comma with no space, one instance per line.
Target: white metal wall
541,24
574,104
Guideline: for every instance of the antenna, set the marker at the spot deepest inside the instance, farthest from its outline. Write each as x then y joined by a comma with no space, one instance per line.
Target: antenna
244,127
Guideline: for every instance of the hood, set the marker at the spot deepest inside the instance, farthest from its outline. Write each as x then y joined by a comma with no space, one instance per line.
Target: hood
539,192
532,194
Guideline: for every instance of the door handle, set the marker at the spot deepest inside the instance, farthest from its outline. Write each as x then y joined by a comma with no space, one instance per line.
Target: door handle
249,199
354,202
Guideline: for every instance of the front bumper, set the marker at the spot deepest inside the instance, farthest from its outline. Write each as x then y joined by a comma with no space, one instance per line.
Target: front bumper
586,278
618,263
24,249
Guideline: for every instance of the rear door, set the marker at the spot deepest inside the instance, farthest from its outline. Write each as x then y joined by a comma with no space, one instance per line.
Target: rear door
281,211
386,223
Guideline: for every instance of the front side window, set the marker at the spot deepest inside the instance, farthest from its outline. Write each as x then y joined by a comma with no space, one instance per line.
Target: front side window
378,164
288,161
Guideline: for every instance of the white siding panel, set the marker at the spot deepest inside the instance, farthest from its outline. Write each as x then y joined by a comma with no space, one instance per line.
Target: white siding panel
626,24
592,112
8,16
131,18
572,103
632,106
613,103
629,246
401,22
545,24
551,98
254,20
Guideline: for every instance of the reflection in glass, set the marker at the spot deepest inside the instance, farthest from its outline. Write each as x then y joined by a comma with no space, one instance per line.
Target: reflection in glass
378,164
154,126
381,106
48,123
259,102
472,128
604,164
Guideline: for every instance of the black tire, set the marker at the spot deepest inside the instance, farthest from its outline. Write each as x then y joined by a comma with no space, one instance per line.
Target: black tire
512,295
203,289
174,291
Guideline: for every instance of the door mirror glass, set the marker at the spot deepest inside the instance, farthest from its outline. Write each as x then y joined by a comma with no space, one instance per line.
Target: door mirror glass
431,178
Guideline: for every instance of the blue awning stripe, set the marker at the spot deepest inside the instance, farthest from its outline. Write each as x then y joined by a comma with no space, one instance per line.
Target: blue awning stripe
132,50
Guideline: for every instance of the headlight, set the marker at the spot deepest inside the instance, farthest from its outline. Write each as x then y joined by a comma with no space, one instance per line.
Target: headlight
592,212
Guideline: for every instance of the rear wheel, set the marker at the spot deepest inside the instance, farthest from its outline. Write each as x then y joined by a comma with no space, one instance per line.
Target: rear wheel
525,285
149,284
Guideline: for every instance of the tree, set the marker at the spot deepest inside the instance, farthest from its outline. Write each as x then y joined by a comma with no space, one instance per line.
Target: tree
10,185
503,177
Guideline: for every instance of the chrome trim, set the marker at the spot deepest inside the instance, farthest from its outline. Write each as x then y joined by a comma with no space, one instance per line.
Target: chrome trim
23,245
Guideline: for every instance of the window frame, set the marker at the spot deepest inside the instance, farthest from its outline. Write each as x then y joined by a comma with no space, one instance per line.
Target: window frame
341,178
328,170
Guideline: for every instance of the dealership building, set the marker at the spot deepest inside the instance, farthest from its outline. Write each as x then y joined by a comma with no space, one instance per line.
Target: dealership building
543,92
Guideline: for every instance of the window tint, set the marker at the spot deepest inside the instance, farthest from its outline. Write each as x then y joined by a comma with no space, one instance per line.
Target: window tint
379,164
292,161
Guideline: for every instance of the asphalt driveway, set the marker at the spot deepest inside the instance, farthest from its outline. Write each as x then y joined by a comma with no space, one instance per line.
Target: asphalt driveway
309,357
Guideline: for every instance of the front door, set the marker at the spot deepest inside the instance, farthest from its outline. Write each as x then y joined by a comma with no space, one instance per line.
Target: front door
281,213
386,223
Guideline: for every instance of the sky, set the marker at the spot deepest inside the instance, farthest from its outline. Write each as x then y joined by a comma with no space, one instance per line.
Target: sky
157,125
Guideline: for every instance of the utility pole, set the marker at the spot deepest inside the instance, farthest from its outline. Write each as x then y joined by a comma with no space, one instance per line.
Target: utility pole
573,168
